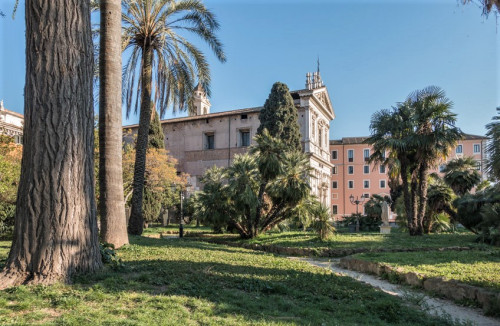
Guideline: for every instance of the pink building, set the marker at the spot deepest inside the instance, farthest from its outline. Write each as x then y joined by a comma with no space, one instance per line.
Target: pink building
353,175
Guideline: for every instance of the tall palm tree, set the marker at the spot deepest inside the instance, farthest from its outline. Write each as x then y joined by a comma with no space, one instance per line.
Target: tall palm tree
168,65
391,132
111,203
461,175
493,147
435,133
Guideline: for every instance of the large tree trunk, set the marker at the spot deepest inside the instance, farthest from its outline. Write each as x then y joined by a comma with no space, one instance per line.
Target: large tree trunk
111,203
136,219
55,233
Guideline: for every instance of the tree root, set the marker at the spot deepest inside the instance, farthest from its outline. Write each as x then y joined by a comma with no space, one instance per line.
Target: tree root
11,278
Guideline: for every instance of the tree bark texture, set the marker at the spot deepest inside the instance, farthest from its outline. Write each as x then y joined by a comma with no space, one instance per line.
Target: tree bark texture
55,233
422,196
136,222
111,203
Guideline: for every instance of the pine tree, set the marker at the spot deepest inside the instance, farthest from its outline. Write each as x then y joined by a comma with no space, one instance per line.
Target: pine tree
279,116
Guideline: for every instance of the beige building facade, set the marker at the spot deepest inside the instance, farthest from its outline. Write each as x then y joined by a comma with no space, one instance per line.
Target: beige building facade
205,139
11,124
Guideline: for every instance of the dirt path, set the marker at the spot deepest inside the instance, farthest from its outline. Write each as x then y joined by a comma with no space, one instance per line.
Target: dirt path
430,305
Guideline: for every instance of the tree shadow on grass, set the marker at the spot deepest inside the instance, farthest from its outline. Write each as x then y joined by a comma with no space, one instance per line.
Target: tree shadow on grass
254,285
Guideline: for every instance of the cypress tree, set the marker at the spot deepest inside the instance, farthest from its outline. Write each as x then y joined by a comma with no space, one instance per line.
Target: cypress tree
280,117
155,134
152,202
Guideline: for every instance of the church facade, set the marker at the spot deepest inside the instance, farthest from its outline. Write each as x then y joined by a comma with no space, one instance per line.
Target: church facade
204,139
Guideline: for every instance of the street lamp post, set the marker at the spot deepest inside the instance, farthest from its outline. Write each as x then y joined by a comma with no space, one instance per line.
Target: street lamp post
181,222
356,201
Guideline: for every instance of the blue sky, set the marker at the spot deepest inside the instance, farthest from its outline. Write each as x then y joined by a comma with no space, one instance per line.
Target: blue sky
372,54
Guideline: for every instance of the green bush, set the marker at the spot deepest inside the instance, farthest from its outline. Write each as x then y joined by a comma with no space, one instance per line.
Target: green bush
7,213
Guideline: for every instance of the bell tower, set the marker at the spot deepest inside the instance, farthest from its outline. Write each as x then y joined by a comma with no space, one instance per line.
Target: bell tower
200,101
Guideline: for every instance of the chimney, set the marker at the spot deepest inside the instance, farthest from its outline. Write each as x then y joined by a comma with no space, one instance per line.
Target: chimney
1,105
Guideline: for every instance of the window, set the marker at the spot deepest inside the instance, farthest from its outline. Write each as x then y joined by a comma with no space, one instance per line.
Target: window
366,195
442,167
244,116
382,169
209,141
334,170
334,209
383,154
334,155
382,184
350,155
478,166
366,184
366,169
350,184
350,169
366,154
18,139
459,149
334,185
244,138
320,134
477,148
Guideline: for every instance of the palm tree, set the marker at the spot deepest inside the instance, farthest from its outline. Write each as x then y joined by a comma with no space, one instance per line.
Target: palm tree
269,150
493,147
168,65
391,131
111,203
435,133
243,188
214,208
440,198
461,175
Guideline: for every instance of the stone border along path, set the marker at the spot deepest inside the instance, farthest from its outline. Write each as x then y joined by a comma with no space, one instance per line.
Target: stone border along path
432,306
450,289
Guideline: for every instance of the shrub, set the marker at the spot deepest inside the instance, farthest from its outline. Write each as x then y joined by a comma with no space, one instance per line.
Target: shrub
7,213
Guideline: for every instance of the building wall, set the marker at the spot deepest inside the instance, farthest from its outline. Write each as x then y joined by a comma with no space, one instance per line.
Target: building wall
340,195
185,138
11,123
185,141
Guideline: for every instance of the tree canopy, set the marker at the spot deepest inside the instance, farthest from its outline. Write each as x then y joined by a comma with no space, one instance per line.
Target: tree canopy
279,116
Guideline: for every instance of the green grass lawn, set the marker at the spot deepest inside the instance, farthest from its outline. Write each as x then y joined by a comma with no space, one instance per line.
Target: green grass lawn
175,282
360,240
475,267
174,228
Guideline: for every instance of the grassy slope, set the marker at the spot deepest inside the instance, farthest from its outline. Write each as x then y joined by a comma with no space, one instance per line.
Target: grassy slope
173,282
362,240
475,267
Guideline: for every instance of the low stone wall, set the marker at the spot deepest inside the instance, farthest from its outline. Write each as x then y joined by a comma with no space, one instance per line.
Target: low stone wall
451,289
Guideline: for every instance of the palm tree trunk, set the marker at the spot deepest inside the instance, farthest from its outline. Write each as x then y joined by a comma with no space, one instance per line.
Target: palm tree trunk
136,222
111,203
422,196
406,194
414,203
55,233
258,212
